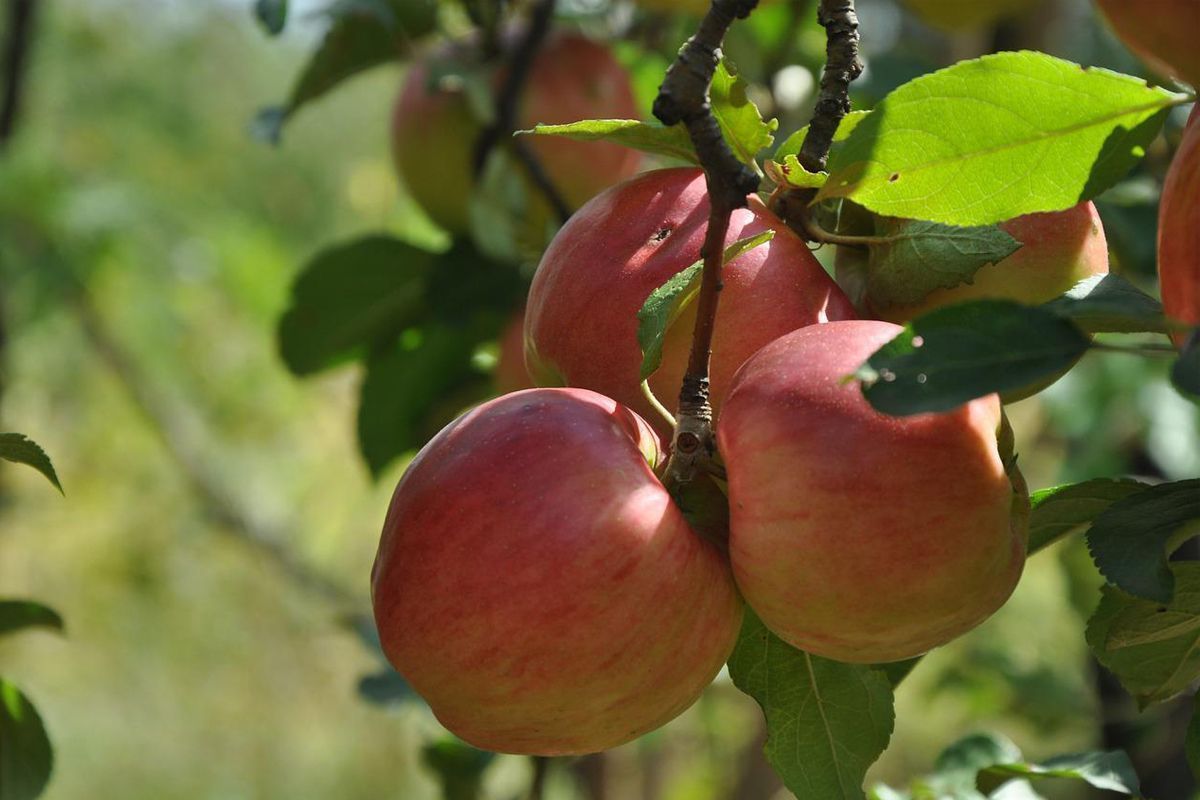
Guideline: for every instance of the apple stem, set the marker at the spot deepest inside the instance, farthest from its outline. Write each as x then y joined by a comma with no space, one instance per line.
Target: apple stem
683,97
520,67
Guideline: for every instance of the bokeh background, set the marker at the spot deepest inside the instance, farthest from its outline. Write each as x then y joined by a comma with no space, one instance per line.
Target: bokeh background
211,553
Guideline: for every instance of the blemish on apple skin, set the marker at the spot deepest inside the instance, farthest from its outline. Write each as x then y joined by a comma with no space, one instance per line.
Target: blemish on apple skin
660,235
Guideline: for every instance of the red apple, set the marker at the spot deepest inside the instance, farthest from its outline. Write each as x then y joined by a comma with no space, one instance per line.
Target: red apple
536,584
581,319
1163,33
573,78
854,535
1059,249
1179,231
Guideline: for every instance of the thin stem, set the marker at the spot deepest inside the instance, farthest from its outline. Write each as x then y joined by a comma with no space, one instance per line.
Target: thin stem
537,787
1155,350
663,413
814,232
16,59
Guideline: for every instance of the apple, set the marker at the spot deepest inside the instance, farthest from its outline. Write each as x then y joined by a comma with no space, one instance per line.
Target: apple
1161,33
536,584
964,14
1179,231
581,317
1059,249
854,535
434,130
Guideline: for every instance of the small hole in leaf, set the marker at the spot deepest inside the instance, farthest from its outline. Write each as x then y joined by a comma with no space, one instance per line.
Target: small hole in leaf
895,176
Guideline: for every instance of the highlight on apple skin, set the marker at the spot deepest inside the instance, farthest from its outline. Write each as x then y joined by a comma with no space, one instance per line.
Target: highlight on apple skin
581,318
536,584
858,536
1179,231
434,131
1162,33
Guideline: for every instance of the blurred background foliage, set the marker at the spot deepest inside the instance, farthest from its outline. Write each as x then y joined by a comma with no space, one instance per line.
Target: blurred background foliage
212,553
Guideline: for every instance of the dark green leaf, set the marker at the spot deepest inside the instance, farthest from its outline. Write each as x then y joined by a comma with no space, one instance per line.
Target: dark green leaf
1185,374
413,388
350,296
1063,510
1132,539
459,767
272,14
827,722
648,137
915,258
19,449
26,758
1110,304
1111,771
1153,648
740,120
997,137
17,615
362,34
957,353
386,687
959,764
897,671
667,302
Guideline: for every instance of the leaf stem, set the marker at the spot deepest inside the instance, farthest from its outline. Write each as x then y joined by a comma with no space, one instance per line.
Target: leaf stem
657,405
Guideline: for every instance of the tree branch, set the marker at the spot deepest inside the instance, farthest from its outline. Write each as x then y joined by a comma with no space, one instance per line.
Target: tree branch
508,98
684,97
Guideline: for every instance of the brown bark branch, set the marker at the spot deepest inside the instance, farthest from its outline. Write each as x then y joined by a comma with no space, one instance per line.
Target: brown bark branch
21,14
842,66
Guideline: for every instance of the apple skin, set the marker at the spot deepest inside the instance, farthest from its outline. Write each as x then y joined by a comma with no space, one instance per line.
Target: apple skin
572,78
536,584
854,535
581,317
1162,33
1179,231
954,15
1060,249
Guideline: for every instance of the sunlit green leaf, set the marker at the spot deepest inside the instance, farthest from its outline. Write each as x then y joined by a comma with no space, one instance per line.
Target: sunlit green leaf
19,449
994,138
793,144
827,722
648,137
740,120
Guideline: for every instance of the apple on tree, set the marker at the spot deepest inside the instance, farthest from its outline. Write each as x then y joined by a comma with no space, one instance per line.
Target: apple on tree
539,587
1162,33
581,319
855,535
1179,231
434,129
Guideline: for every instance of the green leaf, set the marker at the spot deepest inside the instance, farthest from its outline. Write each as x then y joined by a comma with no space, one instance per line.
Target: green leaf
413,388
793,144
458,766
792,174
1131,541
914,258
957,353
1153,648
19,449
738,117
17,615
667,302
26,758
1192,743
648,137
1064,510
272,14
385,688
1110,304
362,34
349,296
994,138
1111,771
1185,374
827,722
